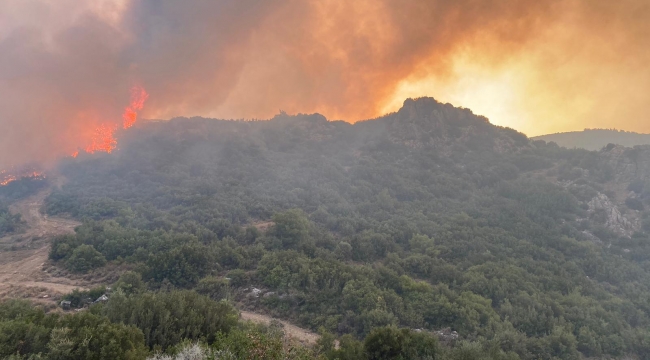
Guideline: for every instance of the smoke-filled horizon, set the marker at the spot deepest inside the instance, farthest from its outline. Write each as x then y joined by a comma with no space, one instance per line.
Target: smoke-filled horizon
67,67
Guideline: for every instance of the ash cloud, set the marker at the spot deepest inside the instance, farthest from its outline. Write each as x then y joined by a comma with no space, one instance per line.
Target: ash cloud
67,66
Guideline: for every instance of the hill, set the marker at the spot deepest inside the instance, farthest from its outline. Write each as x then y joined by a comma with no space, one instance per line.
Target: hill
427,219
596,139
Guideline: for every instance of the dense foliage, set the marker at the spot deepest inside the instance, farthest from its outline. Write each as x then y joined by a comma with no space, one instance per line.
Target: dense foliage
180,325
9,222
19,189
30,333
424,219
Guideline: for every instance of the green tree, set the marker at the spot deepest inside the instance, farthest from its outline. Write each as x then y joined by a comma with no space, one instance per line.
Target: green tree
168,318
131,283
85,258
214,288
183,266
291,228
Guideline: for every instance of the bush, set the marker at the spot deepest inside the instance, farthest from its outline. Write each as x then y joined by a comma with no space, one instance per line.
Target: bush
28,333
214,288
85,258
131,283
168,318
636,186
182,266
634,204
63,246
392,343
238,278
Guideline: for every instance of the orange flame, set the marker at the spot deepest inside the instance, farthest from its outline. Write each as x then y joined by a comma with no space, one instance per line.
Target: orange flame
7,178
138,97
103,140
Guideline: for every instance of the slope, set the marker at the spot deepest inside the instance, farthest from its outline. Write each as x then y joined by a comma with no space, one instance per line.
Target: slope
426,218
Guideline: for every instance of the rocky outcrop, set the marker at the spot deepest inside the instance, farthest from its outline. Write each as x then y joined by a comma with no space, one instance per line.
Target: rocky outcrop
446,335
615,220
628,164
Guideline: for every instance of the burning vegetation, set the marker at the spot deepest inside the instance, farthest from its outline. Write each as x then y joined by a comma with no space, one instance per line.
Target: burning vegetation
103,138
9,176
138,97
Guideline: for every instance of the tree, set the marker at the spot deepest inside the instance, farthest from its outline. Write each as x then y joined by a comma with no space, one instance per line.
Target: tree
214,288
291,228
183,266
93,337
131,283
85,258
386,343
170,317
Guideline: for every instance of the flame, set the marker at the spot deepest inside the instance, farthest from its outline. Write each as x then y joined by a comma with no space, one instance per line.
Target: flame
138,97
103,140
7,178
103,137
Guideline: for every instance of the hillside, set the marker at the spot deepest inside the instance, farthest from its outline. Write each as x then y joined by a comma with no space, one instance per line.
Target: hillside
596,139
428,218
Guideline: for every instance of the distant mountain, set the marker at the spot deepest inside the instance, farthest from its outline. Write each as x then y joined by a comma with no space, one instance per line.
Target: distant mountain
596,139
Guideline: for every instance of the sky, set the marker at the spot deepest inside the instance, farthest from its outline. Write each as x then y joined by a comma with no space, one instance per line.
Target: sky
70,67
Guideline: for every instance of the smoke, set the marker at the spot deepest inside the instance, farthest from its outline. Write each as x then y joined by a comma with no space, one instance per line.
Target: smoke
67,67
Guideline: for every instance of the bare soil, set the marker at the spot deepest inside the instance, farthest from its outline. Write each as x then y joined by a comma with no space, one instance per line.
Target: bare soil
24,270
291,331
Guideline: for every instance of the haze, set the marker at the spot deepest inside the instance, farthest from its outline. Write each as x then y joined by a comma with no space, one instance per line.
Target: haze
67,67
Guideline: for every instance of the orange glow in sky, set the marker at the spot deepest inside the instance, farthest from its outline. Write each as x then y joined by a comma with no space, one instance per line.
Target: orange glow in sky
538,66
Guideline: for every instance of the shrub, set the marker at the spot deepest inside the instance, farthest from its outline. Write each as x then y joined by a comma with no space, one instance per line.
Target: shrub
85,258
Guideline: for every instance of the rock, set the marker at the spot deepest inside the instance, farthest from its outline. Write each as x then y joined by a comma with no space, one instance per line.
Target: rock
628,163
615,221
446,335
255,292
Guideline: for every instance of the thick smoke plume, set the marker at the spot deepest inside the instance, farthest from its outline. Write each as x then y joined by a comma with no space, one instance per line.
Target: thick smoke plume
67,66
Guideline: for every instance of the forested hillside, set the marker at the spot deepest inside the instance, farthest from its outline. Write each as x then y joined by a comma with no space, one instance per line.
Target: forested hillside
425,219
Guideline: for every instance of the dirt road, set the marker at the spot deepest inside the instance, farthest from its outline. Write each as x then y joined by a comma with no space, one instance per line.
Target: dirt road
291,331
23,256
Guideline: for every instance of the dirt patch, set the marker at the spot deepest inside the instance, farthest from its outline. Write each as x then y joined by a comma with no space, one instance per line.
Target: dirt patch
291,331
24,256
263,225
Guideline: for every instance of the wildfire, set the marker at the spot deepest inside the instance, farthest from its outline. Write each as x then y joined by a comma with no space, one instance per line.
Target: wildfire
103,138
7,178
138,97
